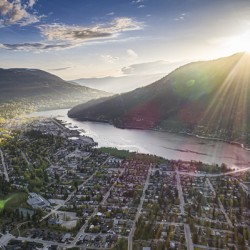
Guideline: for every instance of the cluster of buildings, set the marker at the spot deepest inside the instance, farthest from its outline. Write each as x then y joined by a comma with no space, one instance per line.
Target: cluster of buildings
89,199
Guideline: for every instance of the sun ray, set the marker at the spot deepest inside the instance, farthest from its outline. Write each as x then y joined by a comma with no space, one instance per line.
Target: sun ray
229,107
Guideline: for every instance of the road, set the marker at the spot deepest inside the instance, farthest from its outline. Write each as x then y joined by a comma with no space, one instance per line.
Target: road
244,187
215,175
220,204
19,225
25,158
68,198
225,214
188,237
5,239
58,124
190,246
59,206
4,167
216,230
207,247
211,186
71,194
176,224
45,242
131,234
108,193
105,197
180,193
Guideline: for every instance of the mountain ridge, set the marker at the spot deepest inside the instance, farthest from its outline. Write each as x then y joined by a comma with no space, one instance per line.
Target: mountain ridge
120,84
200,97
37,86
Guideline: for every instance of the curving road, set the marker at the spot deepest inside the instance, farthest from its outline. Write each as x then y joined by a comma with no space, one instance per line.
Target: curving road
4,167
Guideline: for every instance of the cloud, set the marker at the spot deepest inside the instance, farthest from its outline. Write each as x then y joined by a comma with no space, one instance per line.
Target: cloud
181,17
151,67
16,13
31,3
61,32
59,69
34,46
60,36
110,14
109,58
138,1
132,54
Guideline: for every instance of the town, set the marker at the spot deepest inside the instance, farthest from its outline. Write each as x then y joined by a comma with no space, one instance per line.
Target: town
59,191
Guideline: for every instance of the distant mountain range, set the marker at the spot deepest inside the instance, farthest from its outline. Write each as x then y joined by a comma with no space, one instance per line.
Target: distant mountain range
135,76
43,89
119,84
209,98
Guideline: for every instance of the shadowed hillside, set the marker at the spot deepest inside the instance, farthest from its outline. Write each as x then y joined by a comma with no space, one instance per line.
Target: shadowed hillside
207,98
42,89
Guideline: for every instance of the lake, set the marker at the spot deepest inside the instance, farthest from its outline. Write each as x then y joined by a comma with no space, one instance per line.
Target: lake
167,145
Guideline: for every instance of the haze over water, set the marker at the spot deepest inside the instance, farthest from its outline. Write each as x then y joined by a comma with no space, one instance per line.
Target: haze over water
167,145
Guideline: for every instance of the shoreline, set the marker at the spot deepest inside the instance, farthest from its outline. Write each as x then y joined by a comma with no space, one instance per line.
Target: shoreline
238,144
63,117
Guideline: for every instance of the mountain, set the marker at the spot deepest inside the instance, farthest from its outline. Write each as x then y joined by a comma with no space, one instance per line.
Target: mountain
119,84
42,89
208,98
135,76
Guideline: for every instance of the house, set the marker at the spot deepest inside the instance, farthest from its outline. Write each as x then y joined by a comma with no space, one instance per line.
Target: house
54,221
66,237
37,201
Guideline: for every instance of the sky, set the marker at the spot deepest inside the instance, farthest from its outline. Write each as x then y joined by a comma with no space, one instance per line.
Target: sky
98,38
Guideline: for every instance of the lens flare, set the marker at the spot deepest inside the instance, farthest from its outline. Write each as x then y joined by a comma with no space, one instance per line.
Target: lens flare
4,202
228,111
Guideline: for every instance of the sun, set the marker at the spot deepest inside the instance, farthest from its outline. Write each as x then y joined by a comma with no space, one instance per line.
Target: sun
244,43
240,43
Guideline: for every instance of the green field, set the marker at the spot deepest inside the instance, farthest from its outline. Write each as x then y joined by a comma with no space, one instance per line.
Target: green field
123,154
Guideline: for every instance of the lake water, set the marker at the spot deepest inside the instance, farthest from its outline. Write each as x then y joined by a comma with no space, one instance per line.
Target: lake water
167,145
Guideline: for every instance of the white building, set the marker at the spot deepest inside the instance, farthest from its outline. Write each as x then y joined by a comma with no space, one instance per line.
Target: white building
37,201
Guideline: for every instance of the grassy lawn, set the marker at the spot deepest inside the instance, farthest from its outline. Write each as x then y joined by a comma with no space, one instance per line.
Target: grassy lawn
123,154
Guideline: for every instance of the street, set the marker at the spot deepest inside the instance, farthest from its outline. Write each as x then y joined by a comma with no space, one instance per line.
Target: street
180,193
4,166
188,237
131,234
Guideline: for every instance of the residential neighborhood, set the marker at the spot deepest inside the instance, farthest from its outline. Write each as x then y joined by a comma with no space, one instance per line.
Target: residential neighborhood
67,194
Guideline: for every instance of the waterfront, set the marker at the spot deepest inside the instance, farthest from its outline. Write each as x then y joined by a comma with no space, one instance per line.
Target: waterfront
167,145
